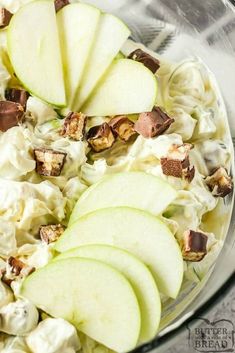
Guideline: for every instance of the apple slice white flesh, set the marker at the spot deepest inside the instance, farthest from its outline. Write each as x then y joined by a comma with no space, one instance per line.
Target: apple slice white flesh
34,50
94,297
136,231
137,274
111,35
77,25
132,189
128,87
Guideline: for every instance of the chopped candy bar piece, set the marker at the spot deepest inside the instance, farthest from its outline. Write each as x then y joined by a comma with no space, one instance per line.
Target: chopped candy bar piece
189,174
153,123
123,127
194,246
177,164
15,268
219,182
49,162
51,233
148,60
100,137
172,167
74,126
59,4
11,114
5,17
17,95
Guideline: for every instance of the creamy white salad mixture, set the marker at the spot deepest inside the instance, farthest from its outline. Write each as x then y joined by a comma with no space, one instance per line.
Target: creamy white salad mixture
188,93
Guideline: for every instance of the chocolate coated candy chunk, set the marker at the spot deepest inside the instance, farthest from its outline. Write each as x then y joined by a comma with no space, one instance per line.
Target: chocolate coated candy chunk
49,162
100,137
74,126
219,182
17,95
15,268
172,167
5,17
123,127
11,114
154,123
177,163
194,247
148,60
59,4
51,233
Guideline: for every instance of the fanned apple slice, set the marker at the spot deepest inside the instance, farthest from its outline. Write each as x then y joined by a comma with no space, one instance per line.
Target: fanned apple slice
137,274
131,189
34,50
77,25
138,232
128,87
94,297
111,35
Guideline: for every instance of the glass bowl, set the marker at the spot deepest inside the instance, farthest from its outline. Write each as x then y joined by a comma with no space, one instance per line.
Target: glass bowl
179,29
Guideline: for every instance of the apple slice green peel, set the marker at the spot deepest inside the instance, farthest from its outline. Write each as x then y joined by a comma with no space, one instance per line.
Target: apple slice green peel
94,297
137,274
77,26
132,189
111,35
34,51
137,232
128,87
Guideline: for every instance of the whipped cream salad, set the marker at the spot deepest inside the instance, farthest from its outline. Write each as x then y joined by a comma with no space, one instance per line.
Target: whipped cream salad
50,156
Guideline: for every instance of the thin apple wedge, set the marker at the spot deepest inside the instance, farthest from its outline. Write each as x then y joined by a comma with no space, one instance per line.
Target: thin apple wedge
131,189
111,35
34,51
137,274
128,87
136,231
77,26
94,297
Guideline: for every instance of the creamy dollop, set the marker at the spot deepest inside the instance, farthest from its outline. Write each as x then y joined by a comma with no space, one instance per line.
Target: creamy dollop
6,295
18,318
29,205
54,336
15,345
16,143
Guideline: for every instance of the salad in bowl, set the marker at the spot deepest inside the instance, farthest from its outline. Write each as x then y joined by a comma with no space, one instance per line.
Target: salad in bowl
115,174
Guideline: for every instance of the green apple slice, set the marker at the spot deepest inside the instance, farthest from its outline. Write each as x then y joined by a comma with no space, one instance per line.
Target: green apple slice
34,50
94,297
77,25
136,231
131,189
111,35
128,87
137,274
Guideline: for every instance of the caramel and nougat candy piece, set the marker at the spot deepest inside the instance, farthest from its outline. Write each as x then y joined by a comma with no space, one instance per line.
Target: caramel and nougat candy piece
11,114
50,233
148,60
152,124
194,246
59,4
15,268
122,127
219,182
74,126
5,17
49,162
100,137
177,163
17,95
